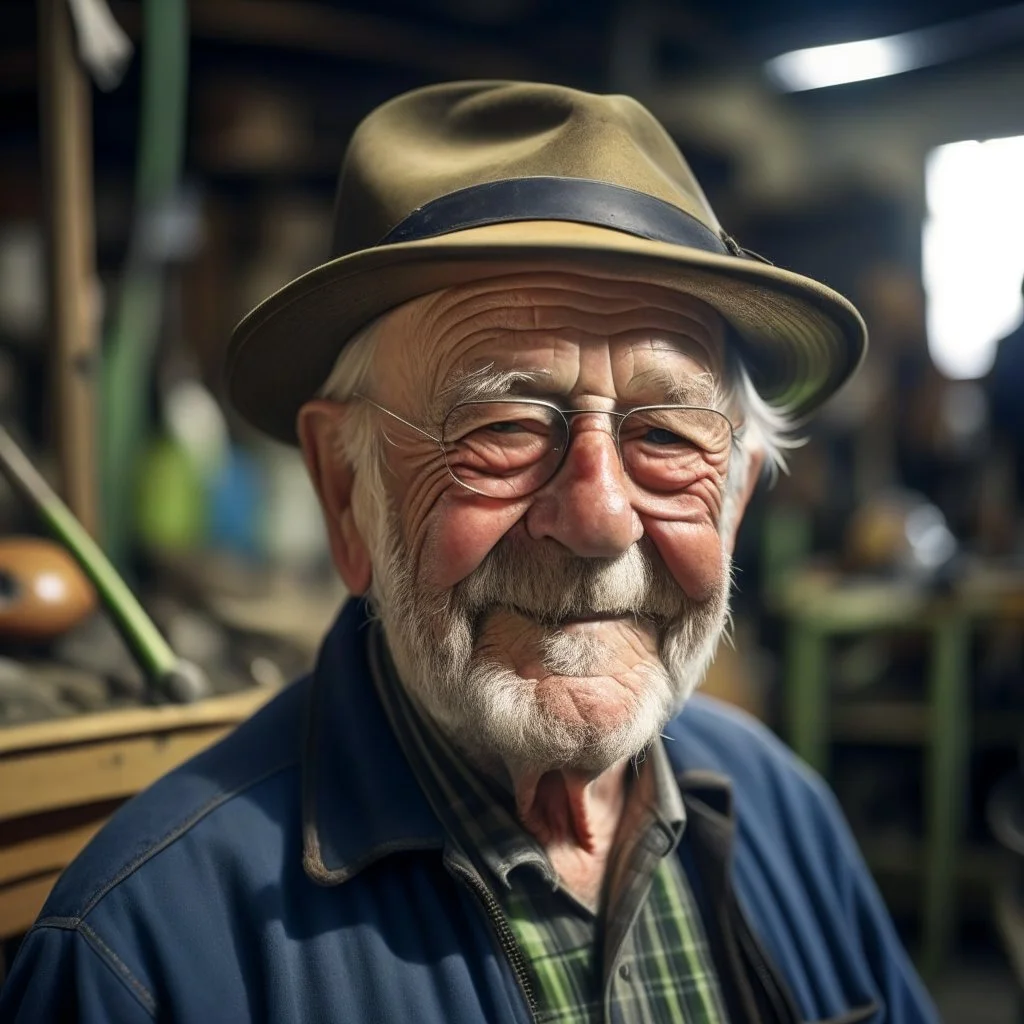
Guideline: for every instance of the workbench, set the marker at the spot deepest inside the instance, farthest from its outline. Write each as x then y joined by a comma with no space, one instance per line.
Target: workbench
818,606
60,780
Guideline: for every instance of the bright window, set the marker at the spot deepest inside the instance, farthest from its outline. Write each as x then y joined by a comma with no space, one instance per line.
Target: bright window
973,251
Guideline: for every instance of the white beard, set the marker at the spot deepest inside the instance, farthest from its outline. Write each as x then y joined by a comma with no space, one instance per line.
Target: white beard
492,713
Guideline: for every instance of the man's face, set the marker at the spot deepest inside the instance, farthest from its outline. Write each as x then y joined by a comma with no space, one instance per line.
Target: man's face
562,606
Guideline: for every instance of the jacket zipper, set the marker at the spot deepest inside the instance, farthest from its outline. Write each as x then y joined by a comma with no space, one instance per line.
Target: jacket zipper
509,945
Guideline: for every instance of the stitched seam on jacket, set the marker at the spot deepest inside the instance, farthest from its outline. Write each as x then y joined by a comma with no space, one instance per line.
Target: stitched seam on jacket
178,831
119,967
105,953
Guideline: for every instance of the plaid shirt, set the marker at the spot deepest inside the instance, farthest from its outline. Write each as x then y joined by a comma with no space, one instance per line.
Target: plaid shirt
646,958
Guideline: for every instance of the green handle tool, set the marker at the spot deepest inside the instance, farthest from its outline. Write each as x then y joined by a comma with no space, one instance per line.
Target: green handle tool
178,680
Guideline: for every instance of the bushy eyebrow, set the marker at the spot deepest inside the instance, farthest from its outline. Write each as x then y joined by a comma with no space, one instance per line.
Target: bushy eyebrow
701,389
486,382
481,384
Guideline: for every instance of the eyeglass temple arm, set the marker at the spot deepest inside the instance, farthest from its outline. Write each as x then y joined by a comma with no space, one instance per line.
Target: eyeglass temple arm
395,416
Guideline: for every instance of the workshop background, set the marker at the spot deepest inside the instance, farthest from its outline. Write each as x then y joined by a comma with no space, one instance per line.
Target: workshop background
166,165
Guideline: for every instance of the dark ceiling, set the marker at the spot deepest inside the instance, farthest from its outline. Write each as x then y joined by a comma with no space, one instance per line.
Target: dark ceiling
753,24
348,55
574,36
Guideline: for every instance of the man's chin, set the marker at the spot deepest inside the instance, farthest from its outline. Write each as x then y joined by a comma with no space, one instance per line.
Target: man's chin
601,703
557,721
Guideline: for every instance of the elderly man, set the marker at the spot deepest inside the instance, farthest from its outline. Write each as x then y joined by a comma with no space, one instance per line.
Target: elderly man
534,391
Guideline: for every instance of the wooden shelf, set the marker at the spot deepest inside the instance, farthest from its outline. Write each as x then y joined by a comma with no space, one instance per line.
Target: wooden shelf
20,903
60,780
50,735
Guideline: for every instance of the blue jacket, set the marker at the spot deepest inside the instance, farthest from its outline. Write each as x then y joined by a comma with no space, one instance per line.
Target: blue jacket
295,872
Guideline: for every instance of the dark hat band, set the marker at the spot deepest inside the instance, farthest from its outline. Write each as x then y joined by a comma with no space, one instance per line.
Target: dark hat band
549,198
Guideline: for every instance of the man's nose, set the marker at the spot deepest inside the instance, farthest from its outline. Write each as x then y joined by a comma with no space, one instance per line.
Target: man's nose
587,505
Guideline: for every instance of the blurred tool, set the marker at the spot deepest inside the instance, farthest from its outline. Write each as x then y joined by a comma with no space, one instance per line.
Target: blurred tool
43,593
164,230
171,504
102,43
179,467
900,533
171,676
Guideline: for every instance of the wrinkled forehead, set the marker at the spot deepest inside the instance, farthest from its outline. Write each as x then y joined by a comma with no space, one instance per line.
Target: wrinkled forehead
568,332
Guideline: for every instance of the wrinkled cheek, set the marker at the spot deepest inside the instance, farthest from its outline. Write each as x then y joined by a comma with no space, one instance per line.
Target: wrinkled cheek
692,553
456,536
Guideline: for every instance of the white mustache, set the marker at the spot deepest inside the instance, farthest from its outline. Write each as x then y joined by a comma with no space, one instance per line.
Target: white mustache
540,583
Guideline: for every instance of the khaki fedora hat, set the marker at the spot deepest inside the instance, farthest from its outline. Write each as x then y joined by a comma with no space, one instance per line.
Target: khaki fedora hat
467,181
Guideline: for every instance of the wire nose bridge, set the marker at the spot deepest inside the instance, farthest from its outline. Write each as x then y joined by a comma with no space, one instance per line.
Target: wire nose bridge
614,423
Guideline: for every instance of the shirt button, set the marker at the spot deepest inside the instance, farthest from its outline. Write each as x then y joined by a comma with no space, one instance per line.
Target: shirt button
660,843
624,972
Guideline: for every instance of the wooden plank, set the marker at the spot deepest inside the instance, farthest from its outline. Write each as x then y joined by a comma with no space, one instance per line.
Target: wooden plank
48,841
40,780
66,130
102,725
45,853
21,902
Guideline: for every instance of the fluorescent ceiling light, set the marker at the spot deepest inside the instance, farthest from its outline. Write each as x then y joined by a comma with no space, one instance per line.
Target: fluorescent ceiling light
822,66
839,63
973,259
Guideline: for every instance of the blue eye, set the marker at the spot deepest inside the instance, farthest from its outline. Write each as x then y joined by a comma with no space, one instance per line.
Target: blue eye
658,435
505,427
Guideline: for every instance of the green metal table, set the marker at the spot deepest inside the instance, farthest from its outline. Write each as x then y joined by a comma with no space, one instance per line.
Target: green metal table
820,606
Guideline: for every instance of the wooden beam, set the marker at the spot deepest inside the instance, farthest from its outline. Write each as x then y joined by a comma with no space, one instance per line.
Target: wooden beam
21,902
90,772
66,131
137,721
106,756
51,851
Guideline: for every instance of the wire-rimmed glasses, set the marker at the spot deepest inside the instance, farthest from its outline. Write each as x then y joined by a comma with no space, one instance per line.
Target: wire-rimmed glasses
511,447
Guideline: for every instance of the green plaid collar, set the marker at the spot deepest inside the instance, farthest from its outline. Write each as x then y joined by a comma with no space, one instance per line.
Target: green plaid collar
478,811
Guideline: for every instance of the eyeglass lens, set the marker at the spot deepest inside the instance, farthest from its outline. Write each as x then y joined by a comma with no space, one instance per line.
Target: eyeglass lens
511,449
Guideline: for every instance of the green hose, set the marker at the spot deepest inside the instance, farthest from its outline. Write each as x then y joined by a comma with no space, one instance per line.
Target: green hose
172,676
134,331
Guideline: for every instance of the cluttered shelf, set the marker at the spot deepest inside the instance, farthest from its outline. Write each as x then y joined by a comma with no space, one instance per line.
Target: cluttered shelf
61,779
908,722
822,607
83,727
976,864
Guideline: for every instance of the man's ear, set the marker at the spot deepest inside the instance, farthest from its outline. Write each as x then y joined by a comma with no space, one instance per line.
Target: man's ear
743,499
318,428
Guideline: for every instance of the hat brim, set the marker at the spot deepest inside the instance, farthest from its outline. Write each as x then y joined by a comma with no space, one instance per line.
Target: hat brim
800,340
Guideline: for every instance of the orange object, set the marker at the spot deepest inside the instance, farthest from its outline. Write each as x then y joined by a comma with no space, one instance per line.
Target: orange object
43,593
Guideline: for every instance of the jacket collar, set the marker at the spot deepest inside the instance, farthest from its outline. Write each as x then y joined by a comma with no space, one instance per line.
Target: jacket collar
360,798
